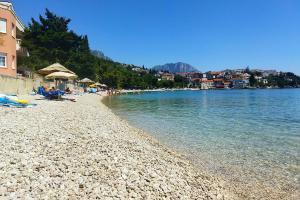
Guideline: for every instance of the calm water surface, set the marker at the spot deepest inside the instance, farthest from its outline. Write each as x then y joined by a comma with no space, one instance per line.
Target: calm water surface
249,137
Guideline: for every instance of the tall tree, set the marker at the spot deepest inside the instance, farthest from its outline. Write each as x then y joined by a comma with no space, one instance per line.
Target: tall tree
252,80
49,40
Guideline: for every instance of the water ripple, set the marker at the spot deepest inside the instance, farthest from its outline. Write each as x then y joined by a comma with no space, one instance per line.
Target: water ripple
245,135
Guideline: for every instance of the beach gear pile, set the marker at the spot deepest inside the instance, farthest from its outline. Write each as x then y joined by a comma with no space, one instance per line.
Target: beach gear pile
92,90
13,101
55,94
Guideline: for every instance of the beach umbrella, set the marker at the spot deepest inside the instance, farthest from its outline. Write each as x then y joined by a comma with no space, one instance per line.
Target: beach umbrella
97,84
61,75
86,80
56,67
94,85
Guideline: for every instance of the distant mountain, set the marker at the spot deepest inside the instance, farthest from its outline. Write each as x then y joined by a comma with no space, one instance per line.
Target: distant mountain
100,54
175,67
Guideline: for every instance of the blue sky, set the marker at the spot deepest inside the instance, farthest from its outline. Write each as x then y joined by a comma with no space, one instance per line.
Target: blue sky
208,34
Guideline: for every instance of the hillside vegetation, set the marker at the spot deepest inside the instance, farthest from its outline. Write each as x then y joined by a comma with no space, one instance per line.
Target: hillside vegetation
50,40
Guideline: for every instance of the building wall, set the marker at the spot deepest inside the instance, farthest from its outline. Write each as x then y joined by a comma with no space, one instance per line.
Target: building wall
168,77
8,43
20,85
207,85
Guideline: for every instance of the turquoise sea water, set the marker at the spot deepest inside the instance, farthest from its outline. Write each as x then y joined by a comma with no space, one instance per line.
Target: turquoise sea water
249,137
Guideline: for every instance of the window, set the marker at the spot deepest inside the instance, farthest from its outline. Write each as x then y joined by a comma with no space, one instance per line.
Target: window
13,30
13,62
2,25
2,59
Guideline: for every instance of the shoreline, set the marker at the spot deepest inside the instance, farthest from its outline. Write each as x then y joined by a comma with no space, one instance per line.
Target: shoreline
237,187
134,91
83,150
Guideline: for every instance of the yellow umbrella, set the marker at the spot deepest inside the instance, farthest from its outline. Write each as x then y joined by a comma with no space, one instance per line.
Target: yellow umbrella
95,85
56,67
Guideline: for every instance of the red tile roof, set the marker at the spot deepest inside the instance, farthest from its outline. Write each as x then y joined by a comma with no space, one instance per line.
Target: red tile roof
215,73
207,81
218,80
196,79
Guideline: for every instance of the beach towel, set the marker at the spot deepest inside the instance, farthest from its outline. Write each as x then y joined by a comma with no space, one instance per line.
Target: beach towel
8,101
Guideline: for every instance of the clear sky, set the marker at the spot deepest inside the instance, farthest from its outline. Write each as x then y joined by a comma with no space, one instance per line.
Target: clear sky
208,34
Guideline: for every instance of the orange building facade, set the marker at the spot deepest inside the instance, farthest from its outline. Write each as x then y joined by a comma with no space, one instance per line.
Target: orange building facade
10,28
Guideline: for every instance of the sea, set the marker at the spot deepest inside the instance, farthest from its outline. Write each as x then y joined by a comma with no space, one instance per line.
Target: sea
248,138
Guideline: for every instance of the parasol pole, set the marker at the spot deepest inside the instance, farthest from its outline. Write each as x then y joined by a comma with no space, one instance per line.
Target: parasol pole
55,81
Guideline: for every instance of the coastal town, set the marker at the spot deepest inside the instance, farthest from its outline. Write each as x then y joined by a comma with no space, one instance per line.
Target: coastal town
227,79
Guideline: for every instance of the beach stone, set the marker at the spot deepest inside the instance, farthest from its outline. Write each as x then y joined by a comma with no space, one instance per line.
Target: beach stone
81,150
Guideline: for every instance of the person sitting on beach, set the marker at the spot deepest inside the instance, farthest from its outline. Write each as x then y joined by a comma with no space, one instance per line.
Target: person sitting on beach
34,90
46,88
52,89
68,91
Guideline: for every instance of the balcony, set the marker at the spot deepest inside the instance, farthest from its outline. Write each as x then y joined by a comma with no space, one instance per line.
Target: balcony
21,50
18,47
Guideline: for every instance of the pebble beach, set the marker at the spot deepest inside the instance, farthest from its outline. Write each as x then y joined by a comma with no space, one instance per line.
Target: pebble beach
81,150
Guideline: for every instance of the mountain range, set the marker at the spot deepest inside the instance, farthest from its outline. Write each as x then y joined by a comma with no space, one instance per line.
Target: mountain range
178,67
